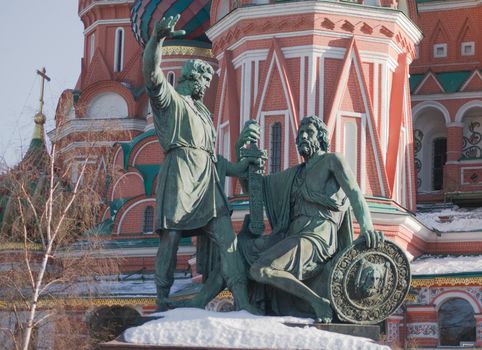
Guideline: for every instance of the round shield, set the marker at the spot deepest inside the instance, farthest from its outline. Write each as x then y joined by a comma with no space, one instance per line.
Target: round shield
367,285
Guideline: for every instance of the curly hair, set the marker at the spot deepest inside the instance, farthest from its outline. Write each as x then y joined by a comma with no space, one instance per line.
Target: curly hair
322,129
193,69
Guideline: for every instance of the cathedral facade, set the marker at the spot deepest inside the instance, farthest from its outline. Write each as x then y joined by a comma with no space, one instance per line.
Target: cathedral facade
399,84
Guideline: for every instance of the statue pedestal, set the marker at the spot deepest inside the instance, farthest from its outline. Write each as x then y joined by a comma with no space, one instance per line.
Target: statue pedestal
357,330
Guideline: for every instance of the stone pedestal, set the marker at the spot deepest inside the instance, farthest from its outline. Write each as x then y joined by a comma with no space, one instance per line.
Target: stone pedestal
365,331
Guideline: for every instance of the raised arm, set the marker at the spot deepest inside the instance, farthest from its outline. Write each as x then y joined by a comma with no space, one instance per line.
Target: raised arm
341,170
163,29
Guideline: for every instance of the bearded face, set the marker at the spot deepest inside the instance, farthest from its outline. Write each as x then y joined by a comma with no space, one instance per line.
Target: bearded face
200,85
307,140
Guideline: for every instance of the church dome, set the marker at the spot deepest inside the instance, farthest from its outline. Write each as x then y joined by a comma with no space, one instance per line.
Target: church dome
194,17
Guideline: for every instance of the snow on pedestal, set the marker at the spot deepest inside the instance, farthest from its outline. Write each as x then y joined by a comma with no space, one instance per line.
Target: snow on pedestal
239,329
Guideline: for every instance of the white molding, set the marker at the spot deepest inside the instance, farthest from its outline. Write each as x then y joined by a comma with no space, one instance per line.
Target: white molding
430,74
221,102
447,5
321,88
106,21
310,7
431,104
475,73
442,46
119,61
135,204
103,2
85,144
114,187
384,108
440,299
301,108
447,96
140,149
95,125
417,308
311,88
461,111
250,55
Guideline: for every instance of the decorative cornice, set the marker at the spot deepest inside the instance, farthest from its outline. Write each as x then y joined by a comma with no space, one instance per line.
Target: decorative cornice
310,7
187,51
446,281
447,5
103,2
95,125
106,21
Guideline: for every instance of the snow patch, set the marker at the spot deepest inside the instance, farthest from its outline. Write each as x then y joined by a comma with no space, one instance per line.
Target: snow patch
239,329
437,265
454,219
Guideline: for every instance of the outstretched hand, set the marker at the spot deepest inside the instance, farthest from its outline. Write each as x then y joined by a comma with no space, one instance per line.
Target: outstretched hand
165,28
373,239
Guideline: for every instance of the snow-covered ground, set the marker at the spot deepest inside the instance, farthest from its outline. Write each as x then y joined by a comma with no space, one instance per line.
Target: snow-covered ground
240,329
431,265
453,219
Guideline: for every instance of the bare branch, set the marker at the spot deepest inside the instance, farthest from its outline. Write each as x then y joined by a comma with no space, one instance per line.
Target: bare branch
25,250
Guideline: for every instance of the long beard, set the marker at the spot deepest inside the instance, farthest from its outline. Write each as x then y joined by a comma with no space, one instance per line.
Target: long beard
197,91
307,149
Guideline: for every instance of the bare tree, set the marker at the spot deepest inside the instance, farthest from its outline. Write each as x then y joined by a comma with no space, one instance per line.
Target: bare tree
45,215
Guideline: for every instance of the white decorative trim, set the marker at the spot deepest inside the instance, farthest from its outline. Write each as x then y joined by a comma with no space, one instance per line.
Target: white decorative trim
106,21
114,187
384,115
450,96
440,47
311,88
430,74
302,86
250,55
140,149
95,125
119,59
447,5
85,144
103,2
321,88
467,82
461,111
465,44
121,221
274,61
431,104
310,7
440,299
221,105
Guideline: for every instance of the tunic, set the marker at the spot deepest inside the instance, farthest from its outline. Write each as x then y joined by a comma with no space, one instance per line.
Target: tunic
189,193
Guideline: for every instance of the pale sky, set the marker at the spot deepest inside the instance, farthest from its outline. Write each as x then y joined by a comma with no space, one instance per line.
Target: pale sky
34,34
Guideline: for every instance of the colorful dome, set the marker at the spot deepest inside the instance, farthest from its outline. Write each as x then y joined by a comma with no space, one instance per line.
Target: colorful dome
194,17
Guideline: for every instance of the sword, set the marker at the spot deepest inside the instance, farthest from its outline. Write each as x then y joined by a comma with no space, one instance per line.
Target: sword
255,183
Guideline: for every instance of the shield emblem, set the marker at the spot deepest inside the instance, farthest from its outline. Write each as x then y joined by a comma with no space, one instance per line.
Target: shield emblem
367,285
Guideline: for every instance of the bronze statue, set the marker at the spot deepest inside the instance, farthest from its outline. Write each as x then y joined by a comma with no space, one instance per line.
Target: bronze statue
190,197
308,207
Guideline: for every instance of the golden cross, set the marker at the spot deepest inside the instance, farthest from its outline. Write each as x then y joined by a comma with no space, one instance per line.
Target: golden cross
44,77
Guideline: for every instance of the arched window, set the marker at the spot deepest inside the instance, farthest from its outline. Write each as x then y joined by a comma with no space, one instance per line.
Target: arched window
456,322
275,148
148,219
91,47
171,78
119,50
439,159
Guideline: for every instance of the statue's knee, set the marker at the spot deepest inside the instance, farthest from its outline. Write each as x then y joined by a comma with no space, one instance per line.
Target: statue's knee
259,272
